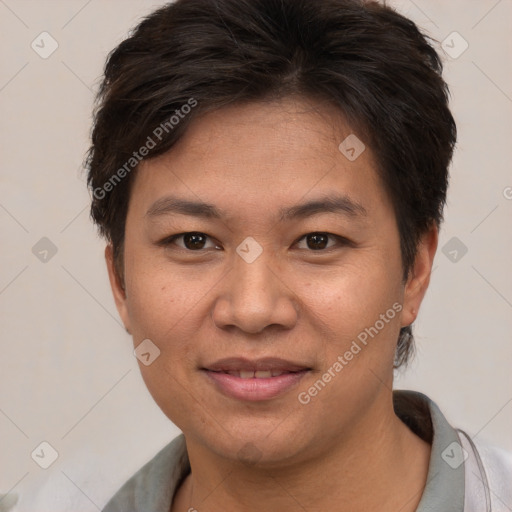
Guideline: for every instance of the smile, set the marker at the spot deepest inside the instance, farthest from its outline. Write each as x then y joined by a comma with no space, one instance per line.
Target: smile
260,374
256,380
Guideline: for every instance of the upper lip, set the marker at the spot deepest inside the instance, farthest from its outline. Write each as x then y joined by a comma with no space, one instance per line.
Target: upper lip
266,363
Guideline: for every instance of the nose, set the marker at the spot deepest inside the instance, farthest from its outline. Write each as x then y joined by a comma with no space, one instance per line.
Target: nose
254,296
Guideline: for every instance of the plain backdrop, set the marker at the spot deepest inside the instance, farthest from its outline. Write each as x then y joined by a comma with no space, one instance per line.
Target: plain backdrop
67,370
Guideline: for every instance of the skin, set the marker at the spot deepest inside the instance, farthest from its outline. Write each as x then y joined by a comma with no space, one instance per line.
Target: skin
345,449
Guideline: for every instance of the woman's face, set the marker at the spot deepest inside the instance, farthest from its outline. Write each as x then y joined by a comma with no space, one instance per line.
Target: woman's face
267,278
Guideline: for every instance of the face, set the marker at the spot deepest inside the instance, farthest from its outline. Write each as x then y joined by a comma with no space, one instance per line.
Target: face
293,271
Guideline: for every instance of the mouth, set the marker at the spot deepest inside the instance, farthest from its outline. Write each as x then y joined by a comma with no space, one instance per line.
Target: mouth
261,379
259,374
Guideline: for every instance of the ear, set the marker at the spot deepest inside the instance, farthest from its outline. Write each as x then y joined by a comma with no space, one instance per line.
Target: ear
116,283
419,275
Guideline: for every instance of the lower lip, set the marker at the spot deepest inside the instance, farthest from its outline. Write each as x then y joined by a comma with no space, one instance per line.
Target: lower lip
255,389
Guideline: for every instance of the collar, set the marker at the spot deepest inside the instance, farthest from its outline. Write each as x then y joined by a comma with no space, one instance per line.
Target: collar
444,489
152,488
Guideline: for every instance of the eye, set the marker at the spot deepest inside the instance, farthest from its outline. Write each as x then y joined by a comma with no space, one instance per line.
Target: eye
192,241
196,241
318,241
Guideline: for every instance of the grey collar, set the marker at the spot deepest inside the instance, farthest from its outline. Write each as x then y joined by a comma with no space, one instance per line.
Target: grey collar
152,488
444,490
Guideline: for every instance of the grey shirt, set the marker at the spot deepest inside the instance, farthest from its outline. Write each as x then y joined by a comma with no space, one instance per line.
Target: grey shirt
152,488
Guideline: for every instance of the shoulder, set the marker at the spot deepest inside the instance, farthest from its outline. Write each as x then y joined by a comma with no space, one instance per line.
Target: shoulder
488,475
152,487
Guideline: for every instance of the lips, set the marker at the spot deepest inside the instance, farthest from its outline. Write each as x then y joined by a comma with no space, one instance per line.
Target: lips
260,374
261,379
258,368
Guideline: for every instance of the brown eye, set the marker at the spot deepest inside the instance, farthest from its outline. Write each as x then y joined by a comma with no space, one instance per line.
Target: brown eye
193,241
319,241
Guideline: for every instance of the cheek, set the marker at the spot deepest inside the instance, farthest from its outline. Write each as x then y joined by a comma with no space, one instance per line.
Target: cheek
348,297
169,304
159,311
358,309
163,310
354,293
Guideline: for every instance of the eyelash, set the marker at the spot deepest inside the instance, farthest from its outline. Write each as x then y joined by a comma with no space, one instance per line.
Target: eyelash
342,241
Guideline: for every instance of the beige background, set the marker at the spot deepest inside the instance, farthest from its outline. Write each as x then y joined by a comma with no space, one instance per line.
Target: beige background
67,371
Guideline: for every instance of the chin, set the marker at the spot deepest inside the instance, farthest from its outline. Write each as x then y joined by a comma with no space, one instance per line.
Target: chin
257,444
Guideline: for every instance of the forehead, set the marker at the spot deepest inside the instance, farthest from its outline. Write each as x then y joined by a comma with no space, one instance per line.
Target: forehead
281,152
293,128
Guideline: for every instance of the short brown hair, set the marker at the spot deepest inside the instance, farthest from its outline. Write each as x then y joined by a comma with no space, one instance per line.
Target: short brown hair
373,64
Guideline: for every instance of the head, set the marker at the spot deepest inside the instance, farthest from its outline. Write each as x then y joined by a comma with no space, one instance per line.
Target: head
256,107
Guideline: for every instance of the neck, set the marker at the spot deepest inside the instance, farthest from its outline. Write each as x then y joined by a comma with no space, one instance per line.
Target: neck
381,466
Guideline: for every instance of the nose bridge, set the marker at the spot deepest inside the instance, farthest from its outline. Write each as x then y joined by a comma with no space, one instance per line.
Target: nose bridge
255,279
254,296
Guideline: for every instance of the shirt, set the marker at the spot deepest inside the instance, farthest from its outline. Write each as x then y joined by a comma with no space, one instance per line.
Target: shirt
152,488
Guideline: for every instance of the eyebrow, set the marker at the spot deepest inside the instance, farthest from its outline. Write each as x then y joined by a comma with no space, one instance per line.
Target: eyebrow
338,204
